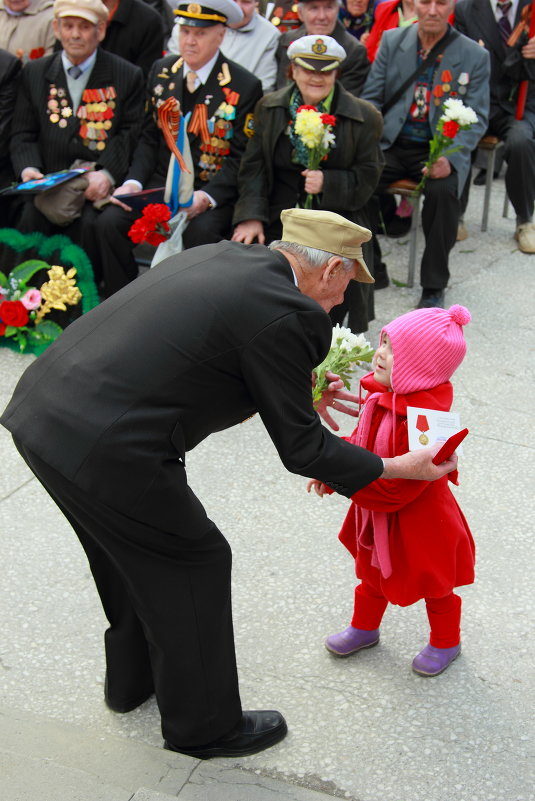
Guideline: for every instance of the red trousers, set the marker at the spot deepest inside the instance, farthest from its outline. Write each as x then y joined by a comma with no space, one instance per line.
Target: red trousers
444,614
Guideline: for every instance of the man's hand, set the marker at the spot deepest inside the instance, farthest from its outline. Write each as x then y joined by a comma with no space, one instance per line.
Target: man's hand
99,185
249,230
331,398
201,203
440,169
30,174
419,465
128,188
528,51
313,181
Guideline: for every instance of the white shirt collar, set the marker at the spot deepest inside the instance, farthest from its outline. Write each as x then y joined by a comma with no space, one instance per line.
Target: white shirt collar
203,72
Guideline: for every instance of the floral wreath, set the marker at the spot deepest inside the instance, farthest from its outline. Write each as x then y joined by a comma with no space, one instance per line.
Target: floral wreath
23,306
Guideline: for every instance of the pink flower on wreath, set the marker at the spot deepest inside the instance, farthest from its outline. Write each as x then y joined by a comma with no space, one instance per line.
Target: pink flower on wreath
31,300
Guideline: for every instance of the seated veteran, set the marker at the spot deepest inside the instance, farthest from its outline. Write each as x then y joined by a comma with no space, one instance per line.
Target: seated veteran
274,173
210,89
26,28
10,67
79,105
252,43
414,80
320,18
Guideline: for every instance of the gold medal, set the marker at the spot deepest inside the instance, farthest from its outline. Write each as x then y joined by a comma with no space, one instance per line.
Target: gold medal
62,123
107,125
101,145
54,117
446,87
424,439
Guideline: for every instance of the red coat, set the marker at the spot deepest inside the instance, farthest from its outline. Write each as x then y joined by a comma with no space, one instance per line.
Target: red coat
431,547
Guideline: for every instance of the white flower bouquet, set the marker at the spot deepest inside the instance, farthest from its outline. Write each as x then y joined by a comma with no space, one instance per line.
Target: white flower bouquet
455,117
346,352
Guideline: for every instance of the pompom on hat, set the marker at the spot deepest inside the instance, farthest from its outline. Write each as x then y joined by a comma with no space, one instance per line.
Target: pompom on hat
428,345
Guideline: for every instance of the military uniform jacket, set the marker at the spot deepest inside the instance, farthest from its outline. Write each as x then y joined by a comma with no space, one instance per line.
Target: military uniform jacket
475,18
151,157
47,131
354,67
196,345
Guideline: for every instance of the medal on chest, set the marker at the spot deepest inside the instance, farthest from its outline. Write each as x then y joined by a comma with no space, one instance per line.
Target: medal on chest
96,113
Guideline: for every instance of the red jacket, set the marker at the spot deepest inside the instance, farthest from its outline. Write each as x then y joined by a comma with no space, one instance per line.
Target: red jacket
431,547
386,17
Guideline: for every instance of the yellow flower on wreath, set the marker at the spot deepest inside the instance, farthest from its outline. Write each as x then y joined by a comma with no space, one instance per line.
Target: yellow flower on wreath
59,291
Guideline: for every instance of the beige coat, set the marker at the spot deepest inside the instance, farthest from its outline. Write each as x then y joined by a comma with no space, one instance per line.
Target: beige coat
31,30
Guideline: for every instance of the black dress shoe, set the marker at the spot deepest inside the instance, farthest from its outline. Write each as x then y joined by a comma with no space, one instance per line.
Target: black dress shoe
397,227
431,298
256,731
381,276
125,706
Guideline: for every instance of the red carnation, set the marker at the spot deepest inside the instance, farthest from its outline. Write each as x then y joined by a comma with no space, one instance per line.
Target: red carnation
328,119
3,327
306,108
13,312
451,129
37,52
156,213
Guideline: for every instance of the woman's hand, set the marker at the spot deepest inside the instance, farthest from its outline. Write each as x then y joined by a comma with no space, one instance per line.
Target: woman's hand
313,181
249,230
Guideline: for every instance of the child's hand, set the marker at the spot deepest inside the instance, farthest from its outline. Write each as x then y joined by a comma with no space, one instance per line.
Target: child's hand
318,487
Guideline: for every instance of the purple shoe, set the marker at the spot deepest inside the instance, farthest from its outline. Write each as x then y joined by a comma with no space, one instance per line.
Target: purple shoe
432,661
351,640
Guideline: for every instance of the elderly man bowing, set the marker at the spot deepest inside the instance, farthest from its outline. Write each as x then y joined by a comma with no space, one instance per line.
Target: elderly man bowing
196,345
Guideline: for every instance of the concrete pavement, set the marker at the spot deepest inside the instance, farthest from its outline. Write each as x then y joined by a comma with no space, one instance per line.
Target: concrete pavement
363,728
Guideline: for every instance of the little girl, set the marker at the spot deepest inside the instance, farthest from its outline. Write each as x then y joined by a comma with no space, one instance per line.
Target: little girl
409,539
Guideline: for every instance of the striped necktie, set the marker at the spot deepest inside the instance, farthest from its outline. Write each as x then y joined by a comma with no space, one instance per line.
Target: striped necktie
503,23
191,79
74,72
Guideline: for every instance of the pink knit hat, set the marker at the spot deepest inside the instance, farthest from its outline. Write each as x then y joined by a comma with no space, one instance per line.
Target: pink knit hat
428,346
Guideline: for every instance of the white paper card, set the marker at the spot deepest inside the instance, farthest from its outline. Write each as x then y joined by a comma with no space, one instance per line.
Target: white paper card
427,426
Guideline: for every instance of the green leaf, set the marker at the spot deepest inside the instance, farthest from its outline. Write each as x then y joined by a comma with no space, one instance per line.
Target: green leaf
47,331
23,272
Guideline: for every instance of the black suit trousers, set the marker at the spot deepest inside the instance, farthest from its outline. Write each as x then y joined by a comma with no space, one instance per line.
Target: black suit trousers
168,602
440,211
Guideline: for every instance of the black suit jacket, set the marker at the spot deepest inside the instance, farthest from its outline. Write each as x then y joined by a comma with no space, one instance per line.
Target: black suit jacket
135,33
476,19
196,345
354,68
10,67
151,157
37,142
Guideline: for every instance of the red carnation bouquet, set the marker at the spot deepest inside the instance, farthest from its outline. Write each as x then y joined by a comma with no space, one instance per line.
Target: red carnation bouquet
152,226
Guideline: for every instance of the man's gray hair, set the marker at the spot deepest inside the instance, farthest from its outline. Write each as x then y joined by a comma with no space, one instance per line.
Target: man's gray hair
313,257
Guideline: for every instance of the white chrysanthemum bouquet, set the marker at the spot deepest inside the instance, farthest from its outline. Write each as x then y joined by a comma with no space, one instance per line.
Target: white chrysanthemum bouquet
315,129
346,352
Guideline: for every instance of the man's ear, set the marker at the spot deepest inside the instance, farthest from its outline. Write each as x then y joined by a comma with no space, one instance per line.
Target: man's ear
332,268
101,30
299,13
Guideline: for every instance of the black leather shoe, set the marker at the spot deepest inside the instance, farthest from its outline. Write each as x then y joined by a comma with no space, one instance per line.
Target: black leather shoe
397,227
431,298
124,706
381,276
256,731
